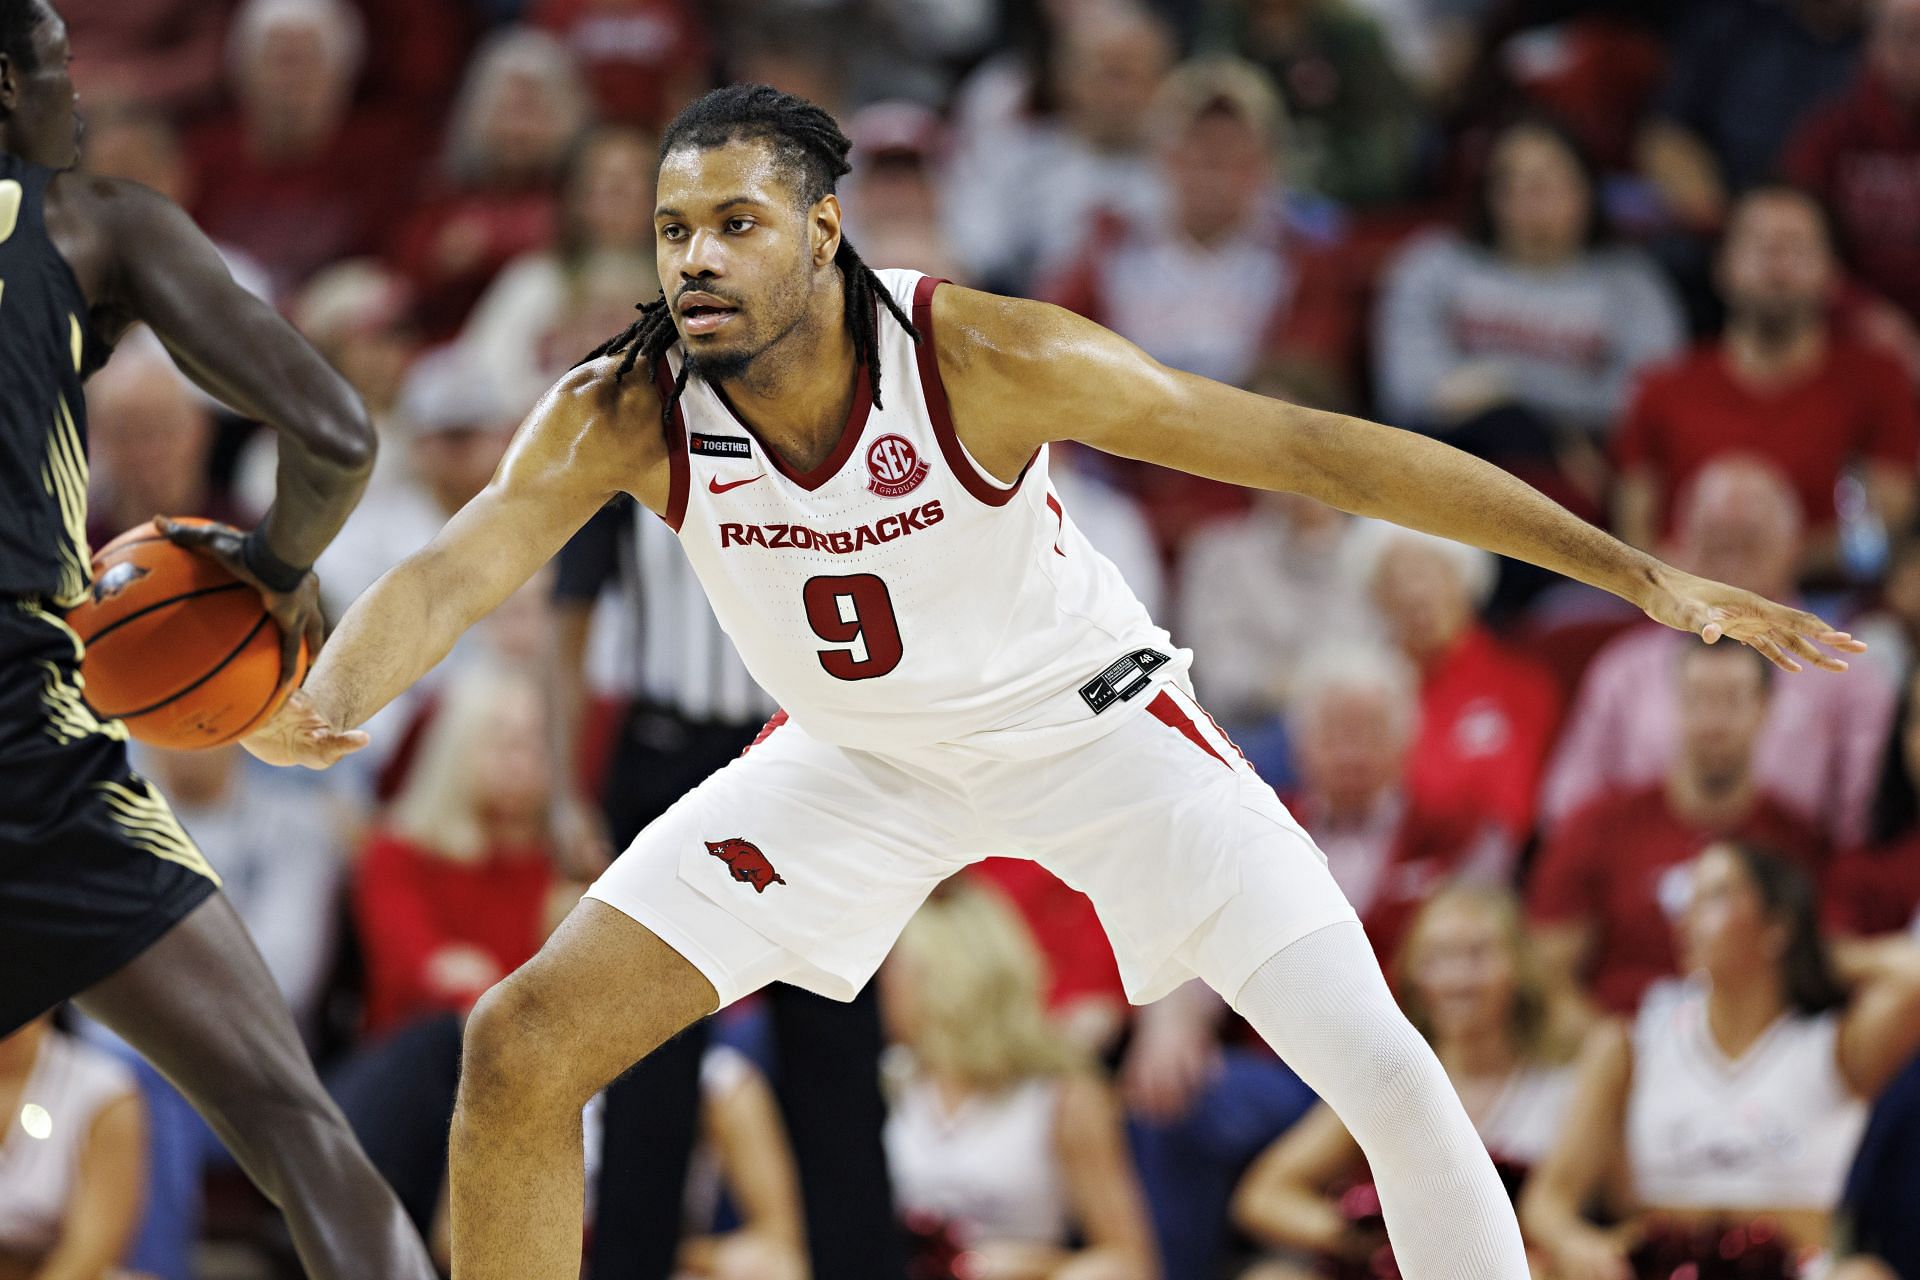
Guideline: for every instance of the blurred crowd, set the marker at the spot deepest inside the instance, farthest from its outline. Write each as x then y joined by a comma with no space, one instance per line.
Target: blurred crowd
1655,904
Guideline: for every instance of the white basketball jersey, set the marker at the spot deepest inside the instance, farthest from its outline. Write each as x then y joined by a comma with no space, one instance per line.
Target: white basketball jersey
1775,1129
897,595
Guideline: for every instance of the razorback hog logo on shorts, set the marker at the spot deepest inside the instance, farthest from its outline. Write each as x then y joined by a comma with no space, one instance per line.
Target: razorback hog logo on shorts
750,866
894,466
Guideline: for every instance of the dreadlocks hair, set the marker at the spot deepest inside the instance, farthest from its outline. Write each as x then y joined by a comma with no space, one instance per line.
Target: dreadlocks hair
808,144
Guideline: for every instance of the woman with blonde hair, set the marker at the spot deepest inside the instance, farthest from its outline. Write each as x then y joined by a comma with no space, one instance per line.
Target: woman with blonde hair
1470,982
1002,1140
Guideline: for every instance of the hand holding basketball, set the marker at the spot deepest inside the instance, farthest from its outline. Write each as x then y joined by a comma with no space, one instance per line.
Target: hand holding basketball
297,611
299,734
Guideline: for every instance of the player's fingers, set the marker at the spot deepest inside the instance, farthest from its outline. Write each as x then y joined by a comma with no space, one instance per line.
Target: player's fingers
1808,651
1771,651
185,535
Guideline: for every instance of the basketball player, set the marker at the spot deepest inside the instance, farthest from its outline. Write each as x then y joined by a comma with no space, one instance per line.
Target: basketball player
102,896
855,464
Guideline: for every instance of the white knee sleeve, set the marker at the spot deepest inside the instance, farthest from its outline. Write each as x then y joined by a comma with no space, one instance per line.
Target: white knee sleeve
1323,1006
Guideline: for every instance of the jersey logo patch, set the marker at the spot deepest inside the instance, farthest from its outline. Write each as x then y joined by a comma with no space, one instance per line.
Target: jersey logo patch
720,446
117,579
894,466
749,865
1123,679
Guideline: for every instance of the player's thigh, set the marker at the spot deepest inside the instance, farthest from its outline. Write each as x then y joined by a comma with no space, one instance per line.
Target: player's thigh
799,862
1192,862
604,992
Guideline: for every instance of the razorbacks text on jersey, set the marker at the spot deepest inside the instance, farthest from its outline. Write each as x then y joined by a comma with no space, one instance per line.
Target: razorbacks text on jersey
897,595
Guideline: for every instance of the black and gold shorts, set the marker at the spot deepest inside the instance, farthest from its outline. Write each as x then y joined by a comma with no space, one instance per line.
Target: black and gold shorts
94,868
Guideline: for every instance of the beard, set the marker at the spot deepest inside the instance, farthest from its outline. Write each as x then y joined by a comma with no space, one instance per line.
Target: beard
720,366
1776,322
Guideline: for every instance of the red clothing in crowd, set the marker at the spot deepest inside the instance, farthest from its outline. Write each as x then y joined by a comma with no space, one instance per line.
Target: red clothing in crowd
1064,926
1487,718
297,217
637,53
1861,155
1875,890
453,245
409,903
1618,866
1857,403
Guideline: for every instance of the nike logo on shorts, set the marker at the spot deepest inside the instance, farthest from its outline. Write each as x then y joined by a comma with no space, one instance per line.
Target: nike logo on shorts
714,485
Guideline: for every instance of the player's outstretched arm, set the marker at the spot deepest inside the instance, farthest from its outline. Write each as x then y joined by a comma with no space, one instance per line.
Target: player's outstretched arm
1021,373
589,439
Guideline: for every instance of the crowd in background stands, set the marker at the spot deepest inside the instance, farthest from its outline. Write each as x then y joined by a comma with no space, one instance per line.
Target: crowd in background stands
1655,904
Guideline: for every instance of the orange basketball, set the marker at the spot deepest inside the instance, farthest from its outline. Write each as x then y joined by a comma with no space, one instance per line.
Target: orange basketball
177,647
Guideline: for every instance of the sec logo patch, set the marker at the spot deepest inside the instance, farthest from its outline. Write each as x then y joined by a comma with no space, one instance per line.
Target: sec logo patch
894,466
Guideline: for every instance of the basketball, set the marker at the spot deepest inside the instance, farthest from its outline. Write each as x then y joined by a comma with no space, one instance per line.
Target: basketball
177,647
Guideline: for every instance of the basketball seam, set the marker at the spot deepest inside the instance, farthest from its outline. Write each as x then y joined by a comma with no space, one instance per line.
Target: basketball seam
218,667
142,612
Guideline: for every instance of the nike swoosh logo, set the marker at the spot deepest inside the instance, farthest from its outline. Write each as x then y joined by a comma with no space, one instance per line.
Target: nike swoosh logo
714,485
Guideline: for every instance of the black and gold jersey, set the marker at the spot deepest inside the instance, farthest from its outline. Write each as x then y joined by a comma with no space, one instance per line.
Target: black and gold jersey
44,354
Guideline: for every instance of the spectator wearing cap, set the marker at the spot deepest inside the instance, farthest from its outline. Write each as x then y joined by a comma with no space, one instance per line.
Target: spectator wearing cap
288,178
1612,879
519,113
644,59
1026,185
1487,713
892,197
1782,383
1819,748
1860,154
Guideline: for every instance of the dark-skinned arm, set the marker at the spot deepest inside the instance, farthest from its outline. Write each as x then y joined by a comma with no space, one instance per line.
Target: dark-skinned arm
157,266
589,439
1021,373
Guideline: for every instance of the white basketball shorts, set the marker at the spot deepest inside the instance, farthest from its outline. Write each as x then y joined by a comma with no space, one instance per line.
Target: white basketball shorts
802,861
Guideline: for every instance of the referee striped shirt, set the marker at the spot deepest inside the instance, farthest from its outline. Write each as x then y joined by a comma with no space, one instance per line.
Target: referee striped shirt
679,658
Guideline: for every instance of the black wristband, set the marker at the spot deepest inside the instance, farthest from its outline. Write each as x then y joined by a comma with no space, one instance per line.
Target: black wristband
274,573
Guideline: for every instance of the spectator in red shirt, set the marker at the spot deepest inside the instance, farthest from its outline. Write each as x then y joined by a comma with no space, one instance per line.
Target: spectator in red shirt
644,58
1487,714
1609,885
1781,383
1354,721
521,108
161,53
1819,750
457,890
1861,155
298,179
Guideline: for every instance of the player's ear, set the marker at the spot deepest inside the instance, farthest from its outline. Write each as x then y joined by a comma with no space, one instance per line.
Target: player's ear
824,228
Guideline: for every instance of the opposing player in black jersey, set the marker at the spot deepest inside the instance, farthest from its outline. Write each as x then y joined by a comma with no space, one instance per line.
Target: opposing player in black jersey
103,897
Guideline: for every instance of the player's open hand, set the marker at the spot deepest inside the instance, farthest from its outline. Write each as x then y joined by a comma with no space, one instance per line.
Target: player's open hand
299,734
1788,637
297,611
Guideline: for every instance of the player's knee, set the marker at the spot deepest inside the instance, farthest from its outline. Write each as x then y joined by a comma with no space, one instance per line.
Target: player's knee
1397,1076
514,1051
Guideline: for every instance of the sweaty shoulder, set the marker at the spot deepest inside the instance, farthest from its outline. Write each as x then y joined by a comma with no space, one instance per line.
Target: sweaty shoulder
1020,373
603,428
